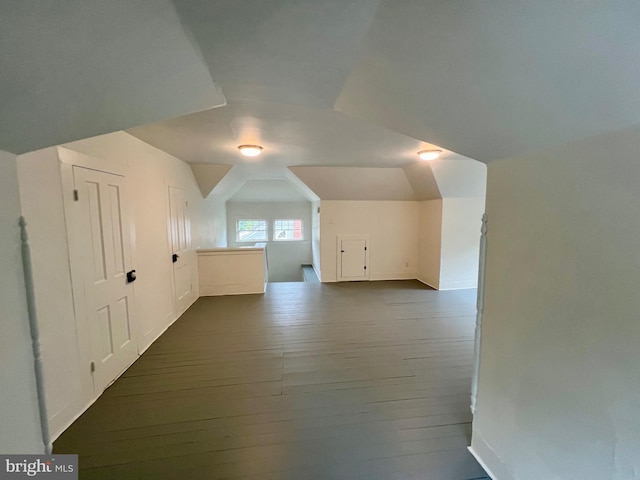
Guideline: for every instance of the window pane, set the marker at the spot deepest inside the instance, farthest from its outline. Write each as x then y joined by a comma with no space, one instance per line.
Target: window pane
251,230
287,230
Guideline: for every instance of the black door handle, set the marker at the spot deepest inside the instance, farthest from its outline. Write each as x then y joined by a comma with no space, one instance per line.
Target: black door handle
175,257
131,276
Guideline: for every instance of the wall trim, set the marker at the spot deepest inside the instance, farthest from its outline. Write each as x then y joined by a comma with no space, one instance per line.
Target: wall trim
392,276
238,289
489,460
166,327
428,284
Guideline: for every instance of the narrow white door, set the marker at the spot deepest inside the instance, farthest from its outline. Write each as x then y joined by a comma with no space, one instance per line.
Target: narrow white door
180,233
102,232
353,255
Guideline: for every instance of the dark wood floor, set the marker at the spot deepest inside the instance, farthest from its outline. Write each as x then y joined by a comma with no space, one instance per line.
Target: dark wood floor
365,380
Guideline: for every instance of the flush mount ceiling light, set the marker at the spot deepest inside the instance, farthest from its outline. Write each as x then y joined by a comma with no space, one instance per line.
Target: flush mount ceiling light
250,150
429,154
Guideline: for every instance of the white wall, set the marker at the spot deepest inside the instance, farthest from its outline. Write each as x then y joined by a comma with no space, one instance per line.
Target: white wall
19,417
150,172
284,258
559,383
391,226
461,221
211,227
429,242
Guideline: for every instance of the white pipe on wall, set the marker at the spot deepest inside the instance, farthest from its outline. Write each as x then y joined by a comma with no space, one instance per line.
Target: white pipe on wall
35,335
480,306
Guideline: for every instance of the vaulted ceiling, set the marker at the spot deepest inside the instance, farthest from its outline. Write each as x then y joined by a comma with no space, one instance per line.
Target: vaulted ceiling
321,83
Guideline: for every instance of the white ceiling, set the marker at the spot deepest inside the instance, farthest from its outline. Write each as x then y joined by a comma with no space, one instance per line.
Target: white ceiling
364,83
279,51
73,69
268,191
290,135
497,78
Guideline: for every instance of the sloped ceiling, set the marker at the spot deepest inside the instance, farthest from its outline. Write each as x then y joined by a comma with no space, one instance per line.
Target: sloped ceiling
280,51
322,83
422,181
268,191
493,79
267,179
208,176
353,183
72,69
462,178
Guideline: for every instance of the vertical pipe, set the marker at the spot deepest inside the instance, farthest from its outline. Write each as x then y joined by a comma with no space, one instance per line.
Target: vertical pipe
35,335
480,306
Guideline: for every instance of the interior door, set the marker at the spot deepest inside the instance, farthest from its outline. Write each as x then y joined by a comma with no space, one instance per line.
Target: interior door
101,223
180,233
353,255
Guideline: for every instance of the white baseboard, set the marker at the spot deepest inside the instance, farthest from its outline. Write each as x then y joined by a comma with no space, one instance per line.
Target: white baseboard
489,460
428,284
61,420
392,276
458,286
244,289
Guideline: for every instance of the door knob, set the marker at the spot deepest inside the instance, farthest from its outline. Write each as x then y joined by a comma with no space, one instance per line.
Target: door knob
175,257
131,276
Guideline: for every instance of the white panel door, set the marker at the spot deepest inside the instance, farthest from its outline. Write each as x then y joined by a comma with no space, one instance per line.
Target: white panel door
353,255
102,231
180,233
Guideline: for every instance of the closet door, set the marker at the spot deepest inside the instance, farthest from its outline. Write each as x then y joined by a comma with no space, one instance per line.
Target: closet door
101,233
353,257
180,236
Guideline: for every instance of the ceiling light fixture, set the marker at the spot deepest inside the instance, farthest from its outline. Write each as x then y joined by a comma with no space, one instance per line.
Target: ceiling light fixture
250,150
429,154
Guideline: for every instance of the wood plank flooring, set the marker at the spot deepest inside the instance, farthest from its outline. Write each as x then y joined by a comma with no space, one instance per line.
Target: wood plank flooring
360,380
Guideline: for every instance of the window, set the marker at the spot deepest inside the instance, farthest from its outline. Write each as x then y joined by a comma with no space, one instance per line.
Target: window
287,230
251,231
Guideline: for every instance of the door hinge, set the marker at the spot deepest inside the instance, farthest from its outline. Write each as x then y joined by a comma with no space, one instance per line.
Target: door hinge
365,249
93,367
365,267
76,196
